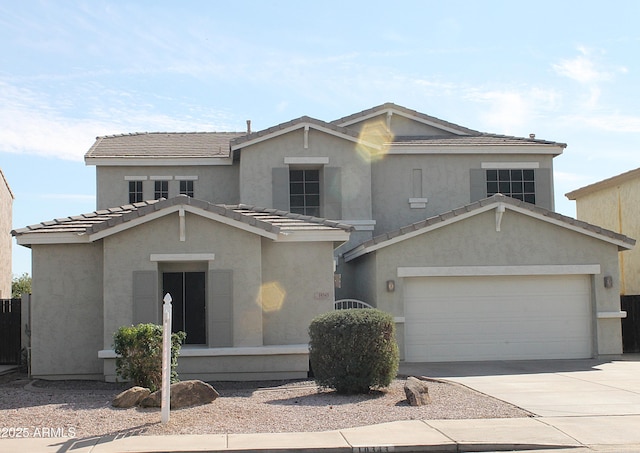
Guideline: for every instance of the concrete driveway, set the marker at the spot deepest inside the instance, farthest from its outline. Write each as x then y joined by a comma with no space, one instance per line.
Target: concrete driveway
549,388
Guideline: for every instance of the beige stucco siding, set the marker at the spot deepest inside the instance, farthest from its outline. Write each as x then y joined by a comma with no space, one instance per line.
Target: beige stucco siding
66,310
298,283
522,241
258,160
617,208
6,212
215,183
234,249
445,183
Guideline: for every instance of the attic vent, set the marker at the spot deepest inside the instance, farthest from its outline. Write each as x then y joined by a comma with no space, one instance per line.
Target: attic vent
248,126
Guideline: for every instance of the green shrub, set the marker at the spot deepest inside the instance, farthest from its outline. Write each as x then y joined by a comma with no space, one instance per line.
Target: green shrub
139,350
353,351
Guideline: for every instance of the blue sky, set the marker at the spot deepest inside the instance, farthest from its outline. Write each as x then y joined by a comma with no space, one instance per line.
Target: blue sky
568,71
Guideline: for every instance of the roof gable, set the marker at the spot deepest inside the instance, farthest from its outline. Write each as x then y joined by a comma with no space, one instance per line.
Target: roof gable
270,223
604,184
304,122
393,109
500,203
6,183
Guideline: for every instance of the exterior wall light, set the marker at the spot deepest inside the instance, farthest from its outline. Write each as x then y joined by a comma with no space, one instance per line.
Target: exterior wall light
608,281
391,285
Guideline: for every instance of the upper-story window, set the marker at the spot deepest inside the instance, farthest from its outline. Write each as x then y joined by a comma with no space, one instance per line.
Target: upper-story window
304,192
186,188
161,189
135,192
519,184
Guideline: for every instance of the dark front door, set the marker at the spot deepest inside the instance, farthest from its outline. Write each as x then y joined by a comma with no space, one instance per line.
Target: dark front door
630,324
187,290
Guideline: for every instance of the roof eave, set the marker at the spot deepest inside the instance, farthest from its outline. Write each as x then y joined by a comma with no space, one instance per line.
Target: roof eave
121,161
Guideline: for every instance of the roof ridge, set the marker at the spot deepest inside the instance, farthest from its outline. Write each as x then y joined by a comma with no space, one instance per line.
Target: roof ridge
133,134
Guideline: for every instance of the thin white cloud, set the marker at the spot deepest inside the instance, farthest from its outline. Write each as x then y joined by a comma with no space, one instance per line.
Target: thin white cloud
511,110
615,122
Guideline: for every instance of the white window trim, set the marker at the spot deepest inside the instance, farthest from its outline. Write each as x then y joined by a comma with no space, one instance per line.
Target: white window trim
510,165
161,178
136,178
416,203
306,161
186,178
163,257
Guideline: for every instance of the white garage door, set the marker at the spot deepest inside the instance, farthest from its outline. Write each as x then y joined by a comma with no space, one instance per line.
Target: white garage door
497,318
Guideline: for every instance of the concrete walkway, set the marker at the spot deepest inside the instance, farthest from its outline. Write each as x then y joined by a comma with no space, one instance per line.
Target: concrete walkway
583,406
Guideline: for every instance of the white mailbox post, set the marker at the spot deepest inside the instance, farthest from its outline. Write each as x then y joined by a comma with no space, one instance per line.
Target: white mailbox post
166,359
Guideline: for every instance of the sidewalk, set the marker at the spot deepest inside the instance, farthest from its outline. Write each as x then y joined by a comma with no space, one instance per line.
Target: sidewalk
599,433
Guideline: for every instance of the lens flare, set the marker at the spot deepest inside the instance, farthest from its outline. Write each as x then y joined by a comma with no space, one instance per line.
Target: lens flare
271,297
374,140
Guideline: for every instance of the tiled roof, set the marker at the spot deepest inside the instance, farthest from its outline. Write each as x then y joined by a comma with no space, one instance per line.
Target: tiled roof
472,140
163,145
493,200
290,124
389,105
605,183
270,220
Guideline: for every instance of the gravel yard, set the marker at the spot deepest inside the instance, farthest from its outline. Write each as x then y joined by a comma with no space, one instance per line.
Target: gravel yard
83,408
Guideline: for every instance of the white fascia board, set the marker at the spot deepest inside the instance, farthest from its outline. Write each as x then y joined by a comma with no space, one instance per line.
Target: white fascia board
396,148
159,162
362,250
482,271
302,126
313,236
568,226
404,115
133,223
35,238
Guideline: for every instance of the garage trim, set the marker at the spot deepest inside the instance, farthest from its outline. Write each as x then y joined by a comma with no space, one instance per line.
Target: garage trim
475,271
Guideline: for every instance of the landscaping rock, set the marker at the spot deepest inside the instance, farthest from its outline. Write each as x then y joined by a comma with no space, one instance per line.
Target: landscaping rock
130,397
184,394
417,392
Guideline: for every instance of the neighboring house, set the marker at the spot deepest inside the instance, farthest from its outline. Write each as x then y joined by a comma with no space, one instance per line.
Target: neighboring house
614,203
233,226
6,213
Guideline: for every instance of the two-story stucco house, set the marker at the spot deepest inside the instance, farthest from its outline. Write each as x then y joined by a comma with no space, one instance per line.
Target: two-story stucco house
449,229
6,213
614,203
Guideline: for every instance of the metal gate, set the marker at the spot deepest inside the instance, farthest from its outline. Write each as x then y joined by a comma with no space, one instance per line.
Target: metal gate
10,322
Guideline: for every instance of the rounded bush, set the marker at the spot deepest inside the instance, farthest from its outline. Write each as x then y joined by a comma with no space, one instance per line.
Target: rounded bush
353,351
139,350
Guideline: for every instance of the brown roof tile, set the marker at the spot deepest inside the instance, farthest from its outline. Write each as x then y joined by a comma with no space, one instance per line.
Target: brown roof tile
144,145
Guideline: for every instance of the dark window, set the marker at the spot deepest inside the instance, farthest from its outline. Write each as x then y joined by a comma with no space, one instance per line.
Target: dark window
186,188
135,191
304,192
161,189
187,290
518,184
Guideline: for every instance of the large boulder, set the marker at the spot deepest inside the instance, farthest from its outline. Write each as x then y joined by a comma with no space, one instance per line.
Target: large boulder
130,397
184,394
417,392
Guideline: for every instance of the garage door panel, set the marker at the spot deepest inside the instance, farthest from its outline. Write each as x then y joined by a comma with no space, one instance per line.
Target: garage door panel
497,318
